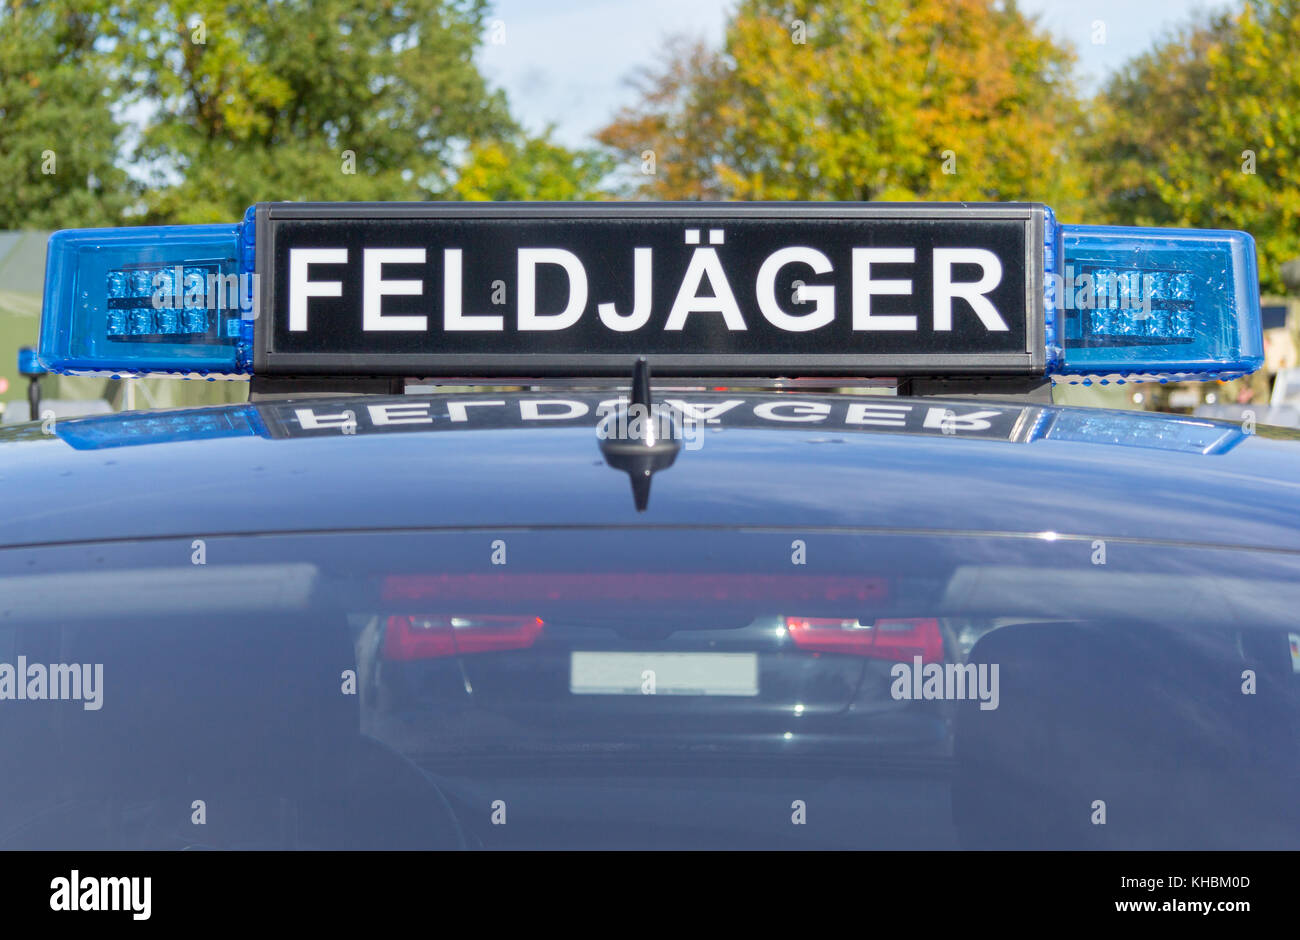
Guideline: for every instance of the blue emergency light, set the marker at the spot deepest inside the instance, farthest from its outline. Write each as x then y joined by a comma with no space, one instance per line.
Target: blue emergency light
1116,302
1154,302
160,299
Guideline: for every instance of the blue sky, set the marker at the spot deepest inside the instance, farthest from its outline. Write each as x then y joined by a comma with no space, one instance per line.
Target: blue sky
565,62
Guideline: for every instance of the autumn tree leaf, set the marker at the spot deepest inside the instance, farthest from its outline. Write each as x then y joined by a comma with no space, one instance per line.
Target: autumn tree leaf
894,100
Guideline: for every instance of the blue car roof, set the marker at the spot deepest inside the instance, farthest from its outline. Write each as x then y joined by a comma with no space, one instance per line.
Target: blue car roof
796,461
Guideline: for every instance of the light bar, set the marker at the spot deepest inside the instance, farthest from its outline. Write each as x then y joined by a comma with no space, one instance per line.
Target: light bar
1158,303
482,291
153,299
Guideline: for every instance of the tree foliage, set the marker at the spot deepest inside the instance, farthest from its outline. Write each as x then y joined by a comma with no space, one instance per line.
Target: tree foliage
1203,131
216,106
897,99
304,99
58,136
522,167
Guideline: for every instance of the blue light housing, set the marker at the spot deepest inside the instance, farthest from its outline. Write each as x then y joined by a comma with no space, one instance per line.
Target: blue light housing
155,299
1132,303
1151,302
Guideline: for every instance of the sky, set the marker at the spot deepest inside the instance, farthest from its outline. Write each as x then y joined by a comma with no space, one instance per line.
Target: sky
566,62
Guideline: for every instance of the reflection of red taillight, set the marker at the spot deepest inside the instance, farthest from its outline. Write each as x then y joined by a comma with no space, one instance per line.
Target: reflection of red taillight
899,639
429,636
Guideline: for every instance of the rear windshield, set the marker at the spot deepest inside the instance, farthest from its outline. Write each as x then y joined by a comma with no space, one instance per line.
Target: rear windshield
649,688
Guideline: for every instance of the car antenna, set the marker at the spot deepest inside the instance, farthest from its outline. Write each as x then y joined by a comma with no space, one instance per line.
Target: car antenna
630,437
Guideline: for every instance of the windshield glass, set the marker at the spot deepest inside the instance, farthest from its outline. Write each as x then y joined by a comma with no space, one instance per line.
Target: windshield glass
648,688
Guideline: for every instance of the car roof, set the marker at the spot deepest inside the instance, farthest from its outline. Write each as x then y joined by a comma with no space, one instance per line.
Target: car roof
769,460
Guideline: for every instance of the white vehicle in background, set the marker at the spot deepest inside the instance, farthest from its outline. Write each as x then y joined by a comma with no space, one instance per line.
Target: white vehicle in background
1282,410
1286,389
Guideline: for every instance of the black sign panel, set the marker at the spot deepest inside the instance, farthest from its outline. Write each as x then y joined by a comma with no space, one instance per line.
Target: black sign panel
522,290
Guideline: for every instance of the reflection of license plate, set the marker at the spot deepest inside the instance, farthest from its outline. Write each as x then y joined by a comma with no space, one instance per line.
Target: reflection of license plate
663,673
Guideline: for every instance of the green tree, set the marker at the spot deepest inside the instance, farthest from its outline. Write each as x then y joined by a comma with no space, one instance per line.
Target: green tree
58,136
520,168
1203,131
895,99
304,100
